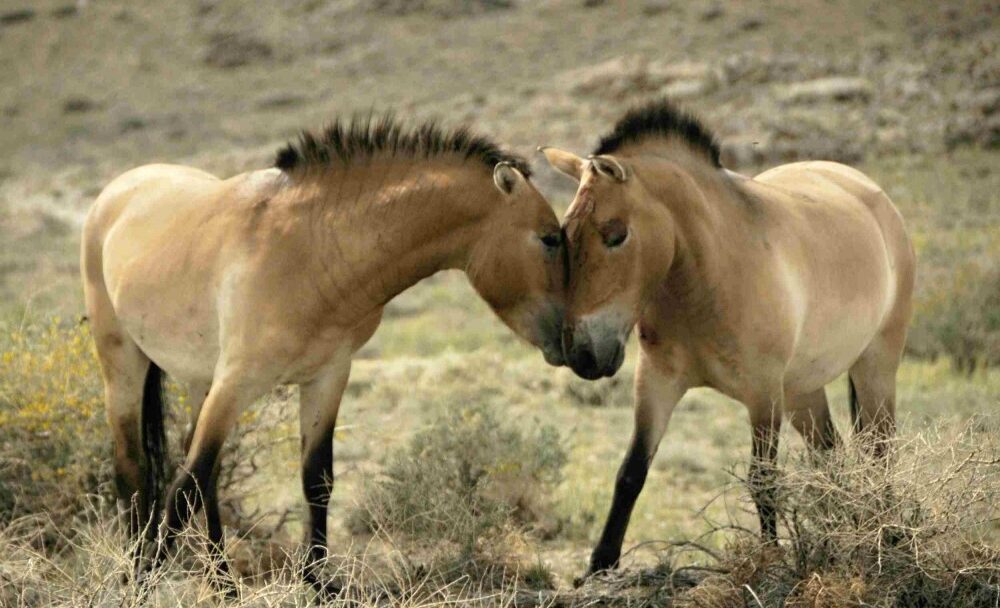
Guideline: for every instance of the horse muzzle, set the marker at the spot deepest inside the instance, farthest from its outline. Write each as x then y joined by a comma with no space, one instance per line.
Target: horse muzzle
593,350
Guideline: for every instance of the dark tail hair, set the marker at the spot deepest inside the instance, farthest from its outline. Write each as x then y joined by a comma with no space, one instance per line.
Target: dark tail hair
852,395
154,443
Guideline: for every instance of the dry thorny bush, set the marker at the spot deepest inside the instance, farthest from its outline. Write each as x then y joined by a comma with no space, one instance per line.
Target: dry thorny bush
91,567
918,529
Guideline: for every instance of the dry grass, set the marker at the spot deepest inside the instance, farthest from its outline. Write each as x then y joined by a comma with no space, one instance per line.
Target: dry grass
920,530
218,84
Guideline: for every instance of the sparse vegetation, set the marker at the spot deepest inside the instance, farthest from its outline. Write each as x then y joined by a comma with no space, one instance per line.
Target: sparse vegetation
469,477
965,317
55,453
444,390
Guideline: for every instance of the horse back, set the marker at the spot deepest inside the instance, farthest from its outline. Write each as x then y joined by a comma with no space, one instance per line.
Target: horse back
825,183
847,258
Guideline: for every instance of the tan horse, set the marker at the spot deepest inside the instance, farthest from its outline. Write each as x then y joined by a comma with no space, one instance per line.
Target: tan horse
765,289
278,276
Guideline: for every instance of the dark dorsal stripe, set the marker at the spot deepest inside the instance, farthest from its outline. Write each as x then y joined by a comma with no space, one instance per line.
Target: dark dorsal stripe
659,119
362,137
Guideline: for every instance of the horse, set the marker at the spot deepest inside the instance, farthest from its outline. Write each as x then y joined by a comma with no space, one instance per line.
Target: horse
277,276
765,289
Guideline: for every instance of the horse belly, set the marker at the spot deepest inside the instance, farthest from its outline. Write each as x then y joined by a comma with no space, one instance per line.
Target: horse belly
829,343
167,308
181,338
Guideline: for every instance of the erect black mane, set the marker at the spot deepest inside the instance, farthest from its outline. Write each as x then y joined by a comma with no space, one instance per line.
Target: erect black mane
659,119
361,137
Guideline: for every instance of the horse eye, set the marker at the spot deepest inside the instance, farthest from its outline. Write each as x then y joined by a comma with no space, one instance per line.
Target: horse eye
615,240
614,233
551,240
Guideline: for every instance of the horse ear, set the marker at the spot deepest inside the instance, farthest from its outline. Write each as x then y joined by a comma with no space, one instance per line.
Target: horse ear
609,166
505,176
563,161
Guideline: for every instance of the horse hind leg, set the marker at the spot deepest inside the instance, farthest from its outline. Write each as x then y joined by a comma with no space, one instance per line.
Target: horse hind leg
124,369
873,390
810,415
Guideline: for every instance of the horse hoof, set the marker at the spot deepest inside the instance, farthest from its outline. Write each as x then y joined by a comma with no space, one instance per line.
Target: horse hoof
589,574
326,591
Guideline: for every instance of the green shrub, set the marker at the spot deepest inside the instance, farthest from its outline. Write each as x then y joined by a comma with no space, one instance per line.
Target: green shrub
961,318
55,447
467,476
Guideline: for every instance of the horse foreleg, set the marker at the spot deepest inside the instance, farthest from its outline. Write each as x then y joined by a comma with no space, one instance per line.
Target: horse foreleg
197,393
194,484
765,423
656,395
320,402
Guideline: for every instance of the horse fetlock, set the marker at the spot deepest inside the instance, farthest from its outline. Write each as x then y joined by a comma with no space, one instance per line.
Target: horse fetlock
604,558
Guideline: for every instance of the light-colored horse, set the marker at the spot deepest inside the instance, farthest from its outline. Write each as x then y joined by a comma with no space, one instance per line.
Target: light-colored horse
278,276
764,288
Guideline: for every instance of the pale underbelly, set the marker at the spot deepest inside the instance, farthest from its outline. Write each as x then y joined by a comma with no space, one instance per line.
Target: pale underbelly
181,341
823,354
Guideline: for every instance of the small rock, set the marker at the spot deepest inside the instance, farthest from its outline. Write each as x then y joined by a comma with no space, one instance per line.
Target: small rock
441,8
79,105
20,15
231,50
655,7
279,100
751,24
685,70
65,12
205,7
631,75
134,123
712,13
685,89
826,89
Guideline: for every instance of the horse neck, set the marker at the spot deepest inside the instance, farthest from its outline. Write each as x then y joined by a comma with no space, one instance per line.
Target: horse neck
709,216
387,225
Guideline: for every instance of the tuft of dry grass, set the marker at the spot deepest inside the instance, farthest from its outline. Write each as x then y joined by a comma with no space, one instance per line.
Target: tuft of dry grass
918,529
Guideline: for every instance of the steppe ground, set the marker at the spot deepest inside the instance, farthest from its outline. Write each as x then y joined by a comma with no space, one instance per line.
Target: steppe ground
90,89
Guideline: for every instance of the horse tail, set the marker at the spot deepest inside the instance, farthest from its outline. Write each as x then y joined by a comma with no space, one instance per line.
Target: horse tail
852,395
154,442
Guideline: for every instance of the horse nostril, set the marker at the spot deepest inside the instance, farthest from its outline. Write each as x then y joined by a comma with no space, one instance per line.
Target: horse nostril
584,363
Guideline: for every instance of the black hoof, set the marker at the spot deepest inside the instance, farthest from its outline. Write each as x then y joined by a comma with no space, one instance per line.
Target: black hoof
326,591
600,561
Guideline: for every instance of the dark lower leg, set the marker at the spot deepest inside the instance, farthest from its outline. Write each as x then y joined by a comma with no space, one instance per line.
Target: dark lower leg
317,484
762,476
216,533
191,486
628,485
